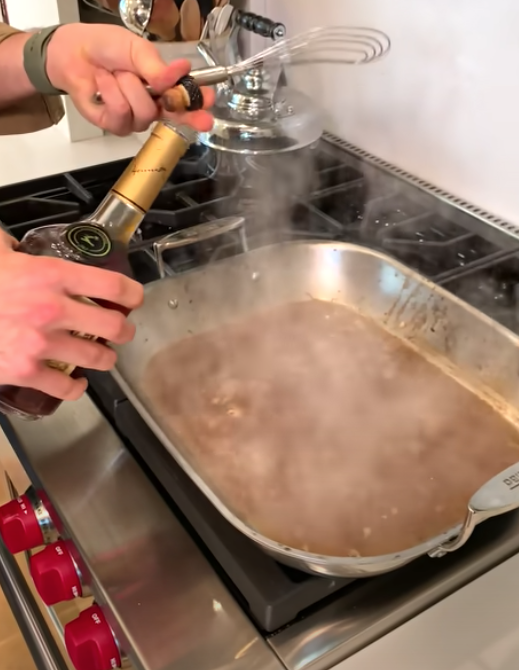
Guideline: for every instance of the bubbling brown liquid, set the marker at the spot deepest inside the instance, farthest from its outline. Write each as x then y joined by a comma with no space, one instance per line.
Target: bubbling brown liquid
325,432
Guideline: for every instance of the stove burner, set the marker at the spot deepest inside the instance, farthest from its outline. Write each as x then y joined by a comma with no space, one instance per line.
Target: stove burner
346,201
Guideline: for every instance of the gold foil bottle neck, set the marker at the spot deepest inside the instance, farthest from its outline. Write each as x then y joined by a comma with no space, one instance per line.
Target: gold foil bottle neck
147,173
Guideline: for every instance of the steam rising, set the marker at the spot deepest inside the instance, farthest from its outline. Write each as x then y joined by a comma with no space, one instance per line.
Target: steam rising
272,185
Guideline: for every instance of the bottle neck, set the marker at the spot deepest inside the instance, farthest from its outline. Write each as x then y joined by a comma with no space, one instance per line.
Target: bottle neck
124,207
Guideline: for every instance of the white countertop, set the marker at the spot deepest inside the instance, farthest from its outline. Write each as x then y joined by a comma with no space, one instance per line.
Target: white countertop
477,628
24,157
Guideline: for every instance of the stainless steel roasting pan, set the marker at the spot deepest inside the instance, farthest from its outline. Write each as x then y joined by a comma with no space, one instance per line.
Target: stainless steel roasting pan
408,305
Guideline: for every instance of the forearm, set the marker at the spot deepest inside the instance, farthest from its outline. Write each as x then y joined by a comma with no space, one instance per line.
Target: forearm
22,110
15,83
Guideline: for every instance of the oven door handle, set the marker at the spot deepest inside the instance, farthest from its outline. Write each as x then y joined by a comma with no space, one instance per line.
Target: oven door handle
42,646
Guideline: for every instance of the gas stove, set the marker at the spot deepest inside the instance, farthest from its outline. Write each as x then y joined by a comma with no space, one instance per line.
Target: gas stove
148,516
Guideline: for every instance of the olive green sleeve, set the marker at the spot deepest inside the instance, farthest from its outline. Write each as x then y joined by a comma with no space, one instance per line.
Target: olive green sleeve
34,113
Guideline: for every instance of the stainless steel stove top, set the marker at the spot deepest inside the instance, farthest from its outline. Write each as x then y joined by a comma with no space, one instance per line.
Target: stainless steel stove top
179,587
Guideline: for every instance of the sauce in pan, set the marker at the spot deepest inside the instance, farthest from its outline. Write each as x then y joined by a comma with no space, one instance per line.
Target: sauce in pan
325,432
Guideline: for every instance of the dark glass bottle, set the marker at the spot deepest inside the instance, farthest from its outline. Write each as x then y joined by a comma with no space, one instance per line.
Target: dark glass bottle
101,240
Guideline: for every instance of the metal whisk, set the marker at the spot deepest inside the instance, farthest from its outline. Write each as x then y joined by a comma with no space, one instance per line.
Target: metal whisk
340,44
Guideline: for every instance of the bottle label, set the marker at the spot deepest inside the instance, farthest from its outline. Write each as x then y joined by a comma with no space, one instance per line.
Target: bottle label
89,240
93,242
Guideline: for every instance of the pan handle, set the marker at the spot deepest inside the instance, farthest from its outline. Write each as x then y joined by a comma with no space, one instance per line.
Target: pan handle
199,233
497,496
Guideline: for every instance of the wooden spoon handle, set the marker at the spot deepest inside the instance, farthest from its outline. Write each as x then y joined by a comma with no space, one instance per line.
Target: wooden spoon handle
164,20
190,20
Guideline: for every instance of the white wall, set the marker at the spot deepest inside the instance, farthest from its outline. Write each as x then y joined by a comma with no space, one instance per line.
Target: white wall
25,14
443,105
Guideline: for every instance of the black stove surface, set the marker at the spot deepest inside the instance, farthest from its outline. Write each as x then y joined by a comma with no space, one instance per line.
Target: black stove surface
347,201
344,200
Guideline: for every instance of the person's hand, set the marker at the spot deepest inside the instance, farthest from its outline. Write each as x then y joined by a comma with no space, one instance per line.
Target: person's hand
83,59
38,313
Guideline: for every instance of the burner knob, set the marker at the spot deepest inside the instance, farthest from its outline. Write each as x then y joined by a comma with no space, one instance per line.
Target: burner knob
90,642
25,523
55,573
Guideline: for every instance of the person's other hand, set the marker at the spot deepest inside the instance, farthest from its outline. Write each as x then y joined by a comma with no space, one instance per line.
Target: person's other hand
38,313
85,58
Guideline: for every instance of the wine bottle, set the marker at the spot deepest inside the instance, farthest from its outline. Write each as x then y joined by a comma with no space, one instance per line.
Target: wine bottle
102,240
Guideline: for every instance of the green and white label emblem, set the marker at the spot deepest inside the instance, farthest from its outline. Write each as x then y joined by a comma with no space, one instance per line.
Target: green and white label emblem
89,240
